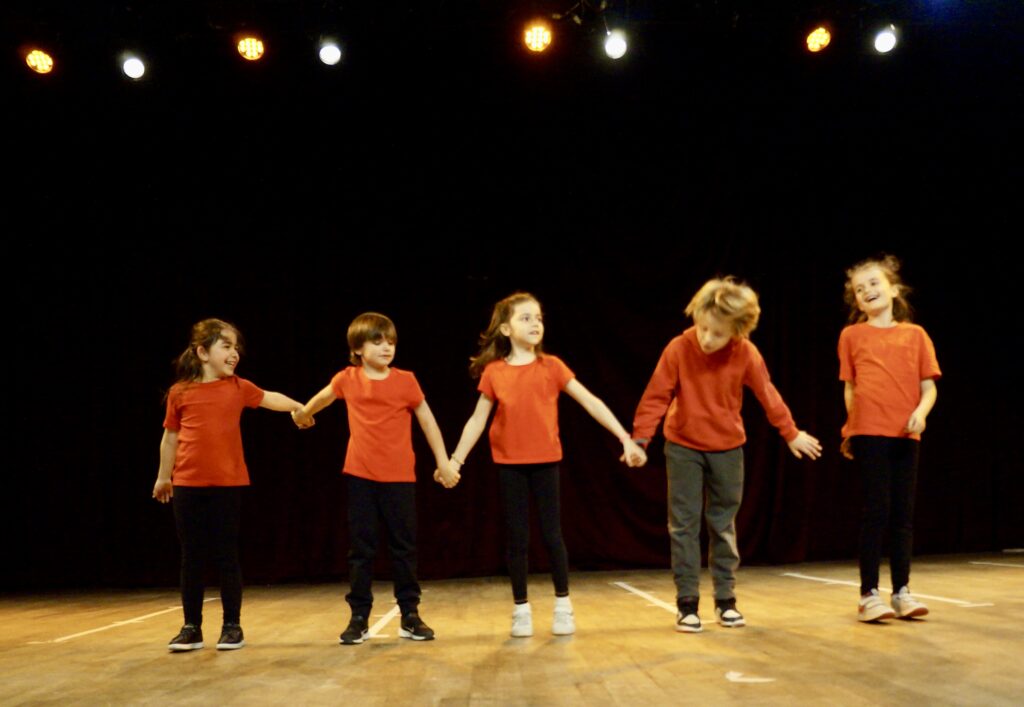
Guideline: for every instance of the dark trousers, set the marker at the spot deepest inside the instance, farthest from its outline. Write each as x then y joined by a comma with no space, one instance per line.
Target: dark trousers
518,483
208,520
395,504
888,471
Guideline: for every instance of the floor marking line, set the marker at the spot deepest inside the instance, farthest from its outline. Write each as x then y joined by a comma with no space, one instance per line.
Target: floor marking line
382,622
735,676
996,564
959,602
137,619
644,595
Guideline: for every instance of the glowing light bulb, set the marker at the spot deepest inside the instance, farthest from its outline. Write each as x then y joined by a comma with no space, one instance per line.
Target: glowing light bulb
818,39
133,68
537,37
251,48
330,53
615,45
39,61
885,41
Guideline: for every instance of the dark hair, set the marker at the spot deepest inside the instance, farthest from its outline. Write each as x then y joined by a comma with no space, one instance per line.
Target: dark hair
372,327
188,368
890,267
494,344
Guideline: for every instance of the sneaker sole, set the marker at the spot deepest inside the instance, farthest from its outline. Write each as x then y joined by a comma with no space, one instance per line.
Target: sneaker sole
914,613
356,642
562,632
732,624
875,619
230,646
689,629
409,634
521,634
183,647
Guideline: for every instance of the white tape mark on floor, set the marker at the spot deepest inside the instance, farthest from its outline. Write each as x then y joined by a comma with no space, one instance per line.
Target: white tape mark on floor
997,564
137,619
382,622
1014,550
656,602
733,676
824,580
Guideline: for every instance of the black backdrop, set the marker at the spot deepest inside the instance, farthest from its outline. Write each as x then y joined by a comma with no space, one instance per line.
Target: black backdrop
427,178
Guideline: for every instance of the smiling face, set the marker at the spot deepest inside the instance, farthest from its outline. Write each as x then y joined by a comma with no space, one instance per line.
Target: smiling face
377,355
525,328
713,332
219,361
873,291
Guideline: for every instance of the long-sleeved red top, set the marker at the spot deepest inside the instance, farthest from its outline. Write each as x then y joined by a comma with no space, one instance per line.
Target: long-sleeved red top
703,393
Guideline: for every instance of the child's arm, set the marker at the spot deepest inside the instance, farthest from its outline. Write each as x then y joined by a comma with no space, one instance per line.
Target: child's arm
632,453
282,403
443,474
804,443
163,489
471,432
916,423
844,447
304,415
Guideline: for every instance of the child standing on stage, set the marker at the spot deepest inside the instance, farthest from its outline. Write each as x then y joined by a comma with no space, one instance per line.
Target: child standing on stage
889,369
525,383
381,468
699,383
202,467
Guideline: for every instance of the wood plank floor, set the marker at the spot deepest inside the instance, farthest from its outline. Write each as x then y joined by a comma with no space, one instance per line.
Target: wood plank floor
802,645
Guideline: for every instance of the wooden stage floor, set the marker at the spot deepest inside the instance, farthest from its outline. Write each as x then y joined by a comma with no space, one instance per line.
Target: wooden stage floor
802,645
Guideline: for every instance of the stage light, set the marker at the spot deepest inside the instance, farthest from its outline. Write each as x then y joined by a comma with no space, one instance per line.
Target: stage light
39,61
537,37
818,39
251,48
330,53
615,44
885,40
133,67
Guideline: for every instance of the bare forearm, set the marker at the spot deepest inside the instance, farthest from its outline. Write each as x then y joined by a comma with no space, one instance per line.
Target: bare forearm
848,396
319,401
168,455
433,433
470,436
605,417
929,393
279,402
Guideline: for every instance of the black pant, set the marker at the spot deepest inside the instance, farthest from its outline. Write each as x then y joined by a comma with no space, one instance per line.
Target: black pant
518,482
208,519
395,504
888,470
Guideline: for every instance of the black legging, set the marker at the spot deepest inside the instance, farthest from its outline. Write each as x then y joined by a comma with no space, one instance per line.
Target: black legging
208,519
518,483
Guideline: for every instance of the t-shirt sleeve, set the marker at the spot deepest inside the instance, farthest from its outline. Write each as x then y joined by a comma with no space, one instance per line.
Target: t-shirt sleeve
929,364
414,392
252,394
846,372
563,374
172,417
338,384
486,385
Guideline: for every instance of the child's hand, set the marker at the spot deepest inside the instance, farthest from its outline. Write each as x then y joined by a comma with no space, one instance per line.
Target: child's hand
163,490
446,476
633,454
302,419
916,424
846,449
805,444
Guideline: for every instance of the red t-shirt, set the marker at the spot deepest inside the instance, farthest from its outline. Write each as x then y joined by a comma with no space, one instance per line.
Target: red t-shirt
380,423
886,367
703,395
525,425
206,417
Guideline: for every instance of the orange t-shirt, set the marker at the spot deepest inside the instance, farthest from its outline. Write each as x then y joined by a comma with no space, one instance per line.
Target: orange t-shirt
206,417
886,367
380,423
525,425
703,395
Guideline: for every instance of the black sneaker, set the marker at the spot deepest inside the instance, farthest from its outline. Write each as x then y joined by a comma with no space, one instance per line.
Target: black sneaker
727,614
687,620
189,638
355,632
231,638
414,628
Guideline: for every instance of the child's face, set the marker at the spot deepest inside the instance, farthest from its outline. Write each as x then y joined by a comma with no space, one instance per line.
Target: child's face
220,359
713,332
873,290
377,354
525,328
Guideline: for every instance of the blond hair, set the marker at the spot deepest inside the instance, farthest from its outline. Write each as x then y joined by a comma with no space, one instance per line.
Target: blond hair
729,299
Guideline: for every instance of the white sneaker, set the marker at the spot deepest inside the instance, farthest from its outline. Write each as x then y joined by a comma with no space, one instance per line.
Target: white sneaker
564,623
906,606
522,621
872,608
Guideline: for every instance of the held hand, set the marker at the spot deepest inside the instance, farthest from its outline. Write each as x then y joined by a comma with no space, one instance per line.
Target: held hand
916,424
163,490
302,419
447,476
805,444
846,449
633,454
